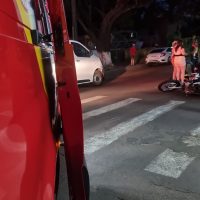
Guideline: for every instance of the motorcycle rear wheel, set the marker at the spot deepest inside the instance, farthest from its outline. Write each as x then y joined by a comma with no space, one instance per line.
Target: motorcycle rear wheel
168,86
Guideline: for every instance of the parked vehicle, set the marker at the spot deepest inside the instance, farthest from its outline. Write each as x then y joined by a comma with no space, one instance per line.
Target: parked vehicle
159,55
39,101
89,68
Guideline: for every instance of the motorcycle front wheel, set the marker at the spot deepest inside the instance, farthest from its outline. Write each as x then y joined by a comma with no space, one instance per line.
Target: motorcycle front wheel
168,86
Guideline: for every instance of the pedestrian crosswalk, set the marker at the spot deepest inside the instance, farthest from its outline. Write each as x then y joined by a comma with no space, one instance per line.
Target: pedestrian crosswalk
109,108
101,140
92,99
193,139
169,162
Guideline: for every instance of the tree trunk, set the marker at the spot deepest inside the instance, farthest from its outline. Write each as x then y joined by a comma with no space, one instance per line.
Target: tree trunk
104,38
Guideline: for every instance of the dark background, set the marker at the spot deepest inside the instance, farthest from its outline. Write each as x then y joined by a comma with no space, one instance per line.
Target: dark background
154,22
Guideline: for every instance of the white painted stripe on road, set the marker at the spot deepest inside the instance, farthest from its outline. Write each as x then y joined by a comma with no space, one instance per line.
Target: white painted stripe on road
103,139
194,139
191,141
108,108
92,99
170,163
196,132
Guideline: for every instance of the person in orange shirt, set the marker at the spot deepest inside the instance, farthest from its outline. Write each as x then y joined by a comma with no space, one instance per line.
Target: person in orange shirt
132,51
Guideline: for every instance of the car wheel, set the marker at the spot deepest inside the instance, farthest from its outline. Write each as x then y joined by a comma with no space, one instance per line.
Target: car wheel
97,78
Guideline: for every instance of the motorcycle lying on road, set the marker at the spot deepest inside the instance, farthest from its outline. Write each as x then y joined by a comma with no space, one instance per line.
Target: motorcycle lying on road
191,84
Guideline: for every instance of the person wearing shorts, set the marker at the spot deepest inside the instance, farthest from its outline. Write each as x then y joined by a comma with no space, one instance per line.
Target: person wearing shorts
179,61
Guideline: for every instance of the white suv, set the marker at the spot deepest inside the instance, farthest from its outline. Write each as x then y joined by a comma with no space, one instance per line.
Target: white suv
89,68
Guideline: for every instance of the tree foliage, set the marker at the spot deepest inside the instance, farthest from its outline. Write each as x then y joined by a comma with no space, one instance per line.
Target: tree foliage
101,16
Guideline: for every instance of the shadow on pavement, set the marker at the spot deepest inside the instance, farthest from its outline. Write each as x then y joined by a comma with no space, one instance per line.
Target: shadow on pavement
107,194
113,73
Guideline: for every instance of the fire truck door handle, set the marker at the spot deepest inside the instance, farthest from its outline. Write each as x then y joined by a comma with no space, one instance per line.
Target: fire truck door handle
61,83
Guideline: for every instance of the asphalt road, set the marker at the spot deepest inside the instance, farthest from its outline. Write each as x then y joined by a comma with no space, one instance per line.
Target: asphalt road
141,144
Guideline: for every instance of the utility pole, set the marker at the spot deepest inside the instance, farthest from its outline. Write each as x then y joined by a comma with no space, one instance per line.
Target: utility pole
74,20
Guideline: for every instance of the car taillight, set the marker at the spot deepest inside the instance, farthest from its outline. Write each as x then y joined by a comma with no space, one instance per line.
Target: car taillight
162,54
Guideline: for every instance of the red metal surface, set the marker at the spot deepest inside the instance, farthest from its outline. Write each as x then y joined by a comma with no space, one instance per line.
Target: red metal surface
9,26
27,147
70,105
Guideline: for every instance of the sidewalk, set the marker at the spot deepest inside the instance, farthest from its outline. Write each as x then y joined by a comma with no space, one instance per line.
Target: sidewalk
112,72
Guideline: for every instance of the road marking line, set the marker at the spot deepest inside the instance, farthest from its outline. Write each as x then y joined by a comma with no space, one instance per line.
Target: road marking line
196,132
108,108
170,163
101,140
191,141
194,139
92,99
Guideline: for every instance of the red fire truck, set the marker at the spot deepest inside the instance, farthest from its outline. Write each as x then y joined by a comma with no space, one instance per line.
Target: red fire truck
39,101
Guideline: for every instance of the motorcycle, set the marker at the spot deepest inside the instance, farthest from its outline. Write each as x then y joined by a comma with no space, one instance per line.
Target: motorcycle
191,83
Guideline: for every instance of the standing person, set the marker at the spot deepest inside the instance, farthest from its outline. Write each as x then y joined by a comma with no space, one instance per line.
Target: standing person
174,44
132,51
179,61
194,56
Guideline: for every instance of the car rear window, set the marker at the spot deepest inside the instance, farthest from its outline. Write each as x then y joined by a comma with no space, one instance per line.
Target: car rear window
156,50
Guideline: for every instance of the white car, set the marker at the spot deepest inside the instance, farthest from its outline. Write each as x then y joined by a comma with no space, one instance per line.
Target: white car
89,68
159,55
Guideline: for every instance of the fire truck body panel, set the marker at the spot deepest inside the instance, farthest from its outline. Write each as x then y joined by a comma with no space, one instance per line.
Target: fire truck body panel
27,147
70,104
